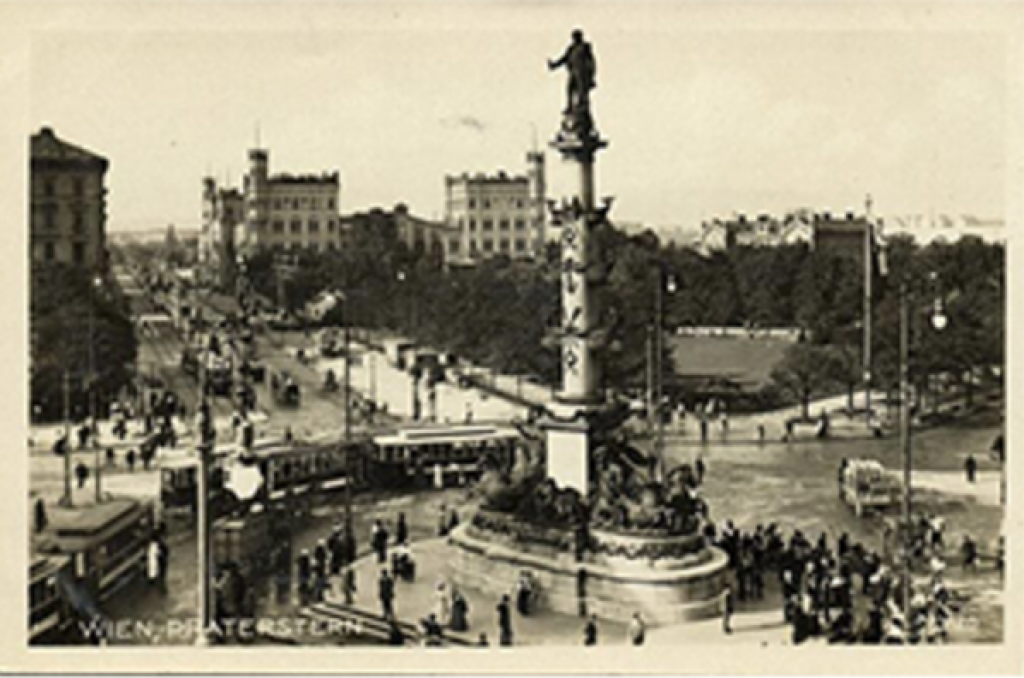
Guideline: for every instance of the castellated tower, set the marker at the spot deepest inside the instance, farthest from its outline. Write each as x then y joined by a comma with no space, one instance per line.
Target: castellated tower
257,199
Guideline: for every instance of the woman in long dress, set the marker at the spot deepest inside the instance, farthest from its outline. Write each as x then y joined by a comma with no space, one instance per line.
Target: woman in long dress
443,603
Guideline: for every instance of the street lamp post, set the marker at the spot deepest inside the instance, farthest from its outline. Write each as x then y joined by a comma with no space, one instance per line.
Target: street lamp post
938,321
666,283
91,392
204,517
67,499
868,273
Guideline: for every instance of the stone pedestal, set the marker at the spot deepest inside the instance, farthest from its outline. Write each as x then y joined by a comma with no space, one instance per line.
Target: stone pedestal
684,582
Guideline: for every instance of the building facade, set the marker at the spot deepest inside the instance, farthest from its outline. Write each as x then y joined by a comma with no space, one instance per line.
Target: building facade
281,212
223,213
440,238
764,230
844,234
497,214
68,203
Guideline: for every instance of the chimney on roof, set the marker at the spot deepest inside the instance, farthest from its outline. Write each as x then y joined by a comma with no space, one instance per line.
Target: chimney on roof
46,131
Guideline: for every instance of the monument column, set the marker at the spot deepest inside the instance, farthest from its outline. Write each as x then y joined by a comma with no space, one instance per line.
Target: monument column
567,428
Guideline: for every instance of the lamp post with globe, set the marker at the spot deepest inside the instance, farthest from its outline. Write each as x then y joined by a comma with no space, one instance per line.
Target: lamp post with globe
939,320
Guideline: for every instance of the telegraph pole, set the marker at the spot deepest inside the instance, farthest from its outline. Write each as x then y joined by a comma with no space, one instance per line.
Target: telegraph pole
905,445
68,501
868,285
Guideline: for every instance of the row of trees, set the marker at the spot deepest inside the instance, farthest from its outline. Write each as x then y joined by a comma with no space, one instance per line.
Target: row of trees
66,340
499,312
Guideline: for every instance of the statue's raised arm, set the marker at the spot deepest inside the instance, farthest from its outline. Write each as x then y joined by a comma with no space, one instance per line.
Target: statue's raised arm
579,61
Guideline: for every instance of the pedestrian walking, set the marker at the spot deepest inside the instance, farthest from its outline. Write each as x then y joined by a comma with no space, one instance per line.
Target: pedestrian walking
386,592
460,612
969,549
348,584
727,610
40,520
401,530
703,429
760,431
504,622
130,460
590,631
971,467
379,539
82,474
111,459
636,631
700,468
153,562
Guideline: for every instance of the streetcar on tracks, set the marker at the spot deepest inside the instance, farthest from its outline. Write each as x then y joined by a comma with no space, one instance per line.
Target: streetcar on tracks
443,456
283,471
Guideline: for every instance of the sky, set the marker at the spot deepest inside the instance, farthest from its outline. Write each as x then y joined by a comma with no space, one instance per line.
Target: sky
709,109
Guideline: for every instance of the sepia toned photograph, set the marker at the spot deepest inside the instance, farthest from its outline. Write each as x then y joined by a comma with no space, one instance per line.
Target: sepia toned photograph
394,329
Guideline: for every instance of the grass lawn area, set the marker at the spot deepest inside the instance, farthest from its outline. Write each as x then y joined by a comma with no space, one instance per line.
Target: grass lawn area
742,359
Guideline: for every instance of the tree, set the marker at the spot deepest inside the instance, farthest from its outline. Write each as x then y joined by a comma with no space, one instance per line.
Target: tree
60,300
805,369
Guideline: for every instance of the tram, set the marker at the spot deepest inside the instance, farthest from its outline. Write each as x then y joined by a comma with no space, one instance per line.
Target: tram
286,470
442,456
48,612
83,557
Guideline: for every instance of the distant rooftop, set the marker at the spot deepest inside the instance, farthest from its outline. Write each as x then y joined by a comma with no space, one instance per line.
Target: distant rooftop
325,178
47,146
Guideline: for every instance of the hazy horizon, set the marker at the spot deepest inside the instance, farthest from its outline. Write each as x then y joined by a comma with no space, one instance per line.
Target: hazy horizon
703,120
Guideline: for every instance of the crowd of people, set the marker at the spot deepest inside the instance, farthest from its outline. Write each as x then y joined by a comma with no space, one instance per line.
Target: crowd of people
843,591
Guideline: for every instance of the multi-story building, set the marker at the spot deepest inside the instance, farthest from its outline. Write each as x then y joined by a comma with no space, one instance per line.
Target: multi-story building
68,215
844,235
497,214
223,212
438,237
281,211
763,231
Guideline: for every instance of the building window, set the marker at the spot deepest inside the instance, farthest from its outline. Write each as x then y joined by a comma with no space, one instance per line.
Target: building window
453,246
78,253
520,225
278,203
278,227
78,186
520,245
487,204
472,246
488,225
295,204
503,224
50,216
48,189
78,222
519,204
472,224
488,245
314,226
504,245
296,227
330,203
312,203
472,204
330,225
49,252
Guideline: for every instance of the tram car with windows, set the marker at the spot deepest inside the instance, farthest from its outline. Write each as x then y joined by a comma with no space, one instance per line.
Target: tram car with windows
298,471
49,616
85,555
442,456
